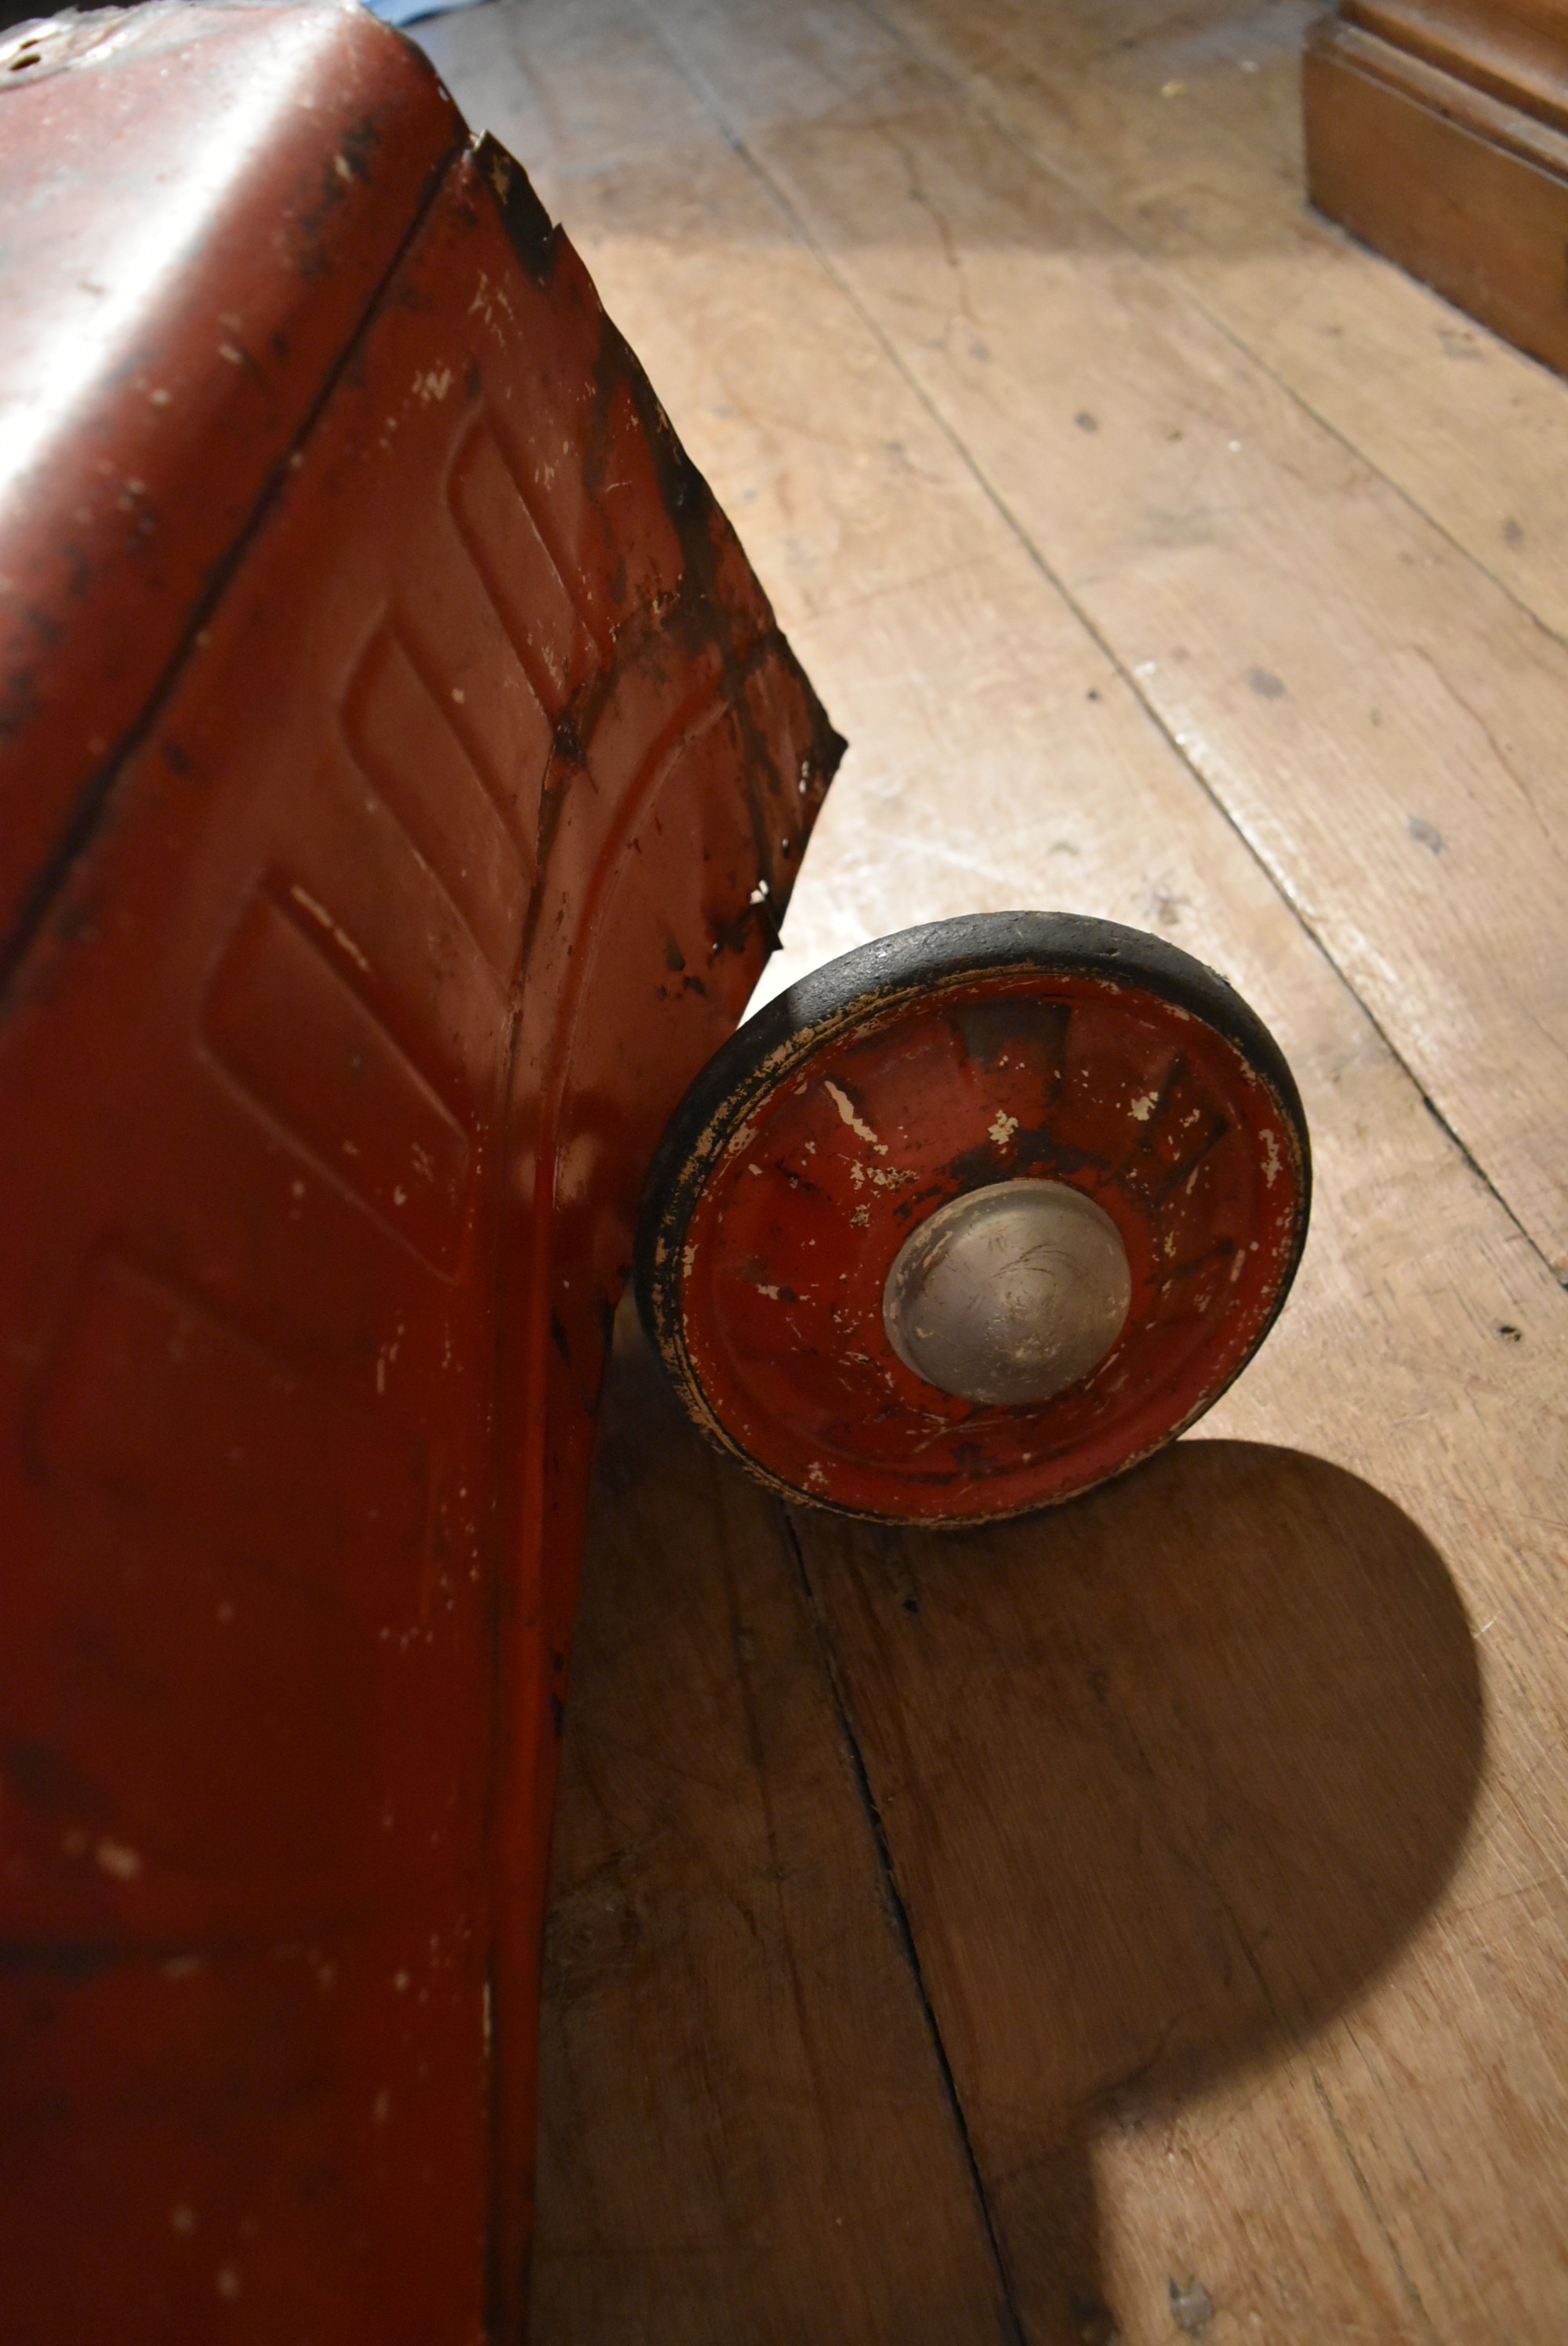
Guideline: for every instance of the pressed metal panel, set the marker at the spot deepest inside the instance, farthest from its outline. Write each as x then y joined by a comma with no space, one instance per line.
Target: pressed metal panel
330,1074
179,275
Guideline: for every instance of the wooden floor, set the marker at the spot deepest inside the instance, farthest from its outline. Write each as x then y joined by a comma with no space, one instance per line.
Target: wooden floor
1149,1920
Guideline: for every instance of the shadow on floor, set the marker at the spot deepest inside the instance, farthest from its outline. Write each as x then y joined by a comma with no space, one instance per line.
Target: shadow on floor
1166,1778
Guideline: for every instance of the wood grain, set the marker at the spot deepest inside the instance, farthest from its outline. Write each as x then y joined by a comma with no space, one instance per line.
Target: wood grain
1184,131
1248,1973
1380,722
746,2132
1168,1776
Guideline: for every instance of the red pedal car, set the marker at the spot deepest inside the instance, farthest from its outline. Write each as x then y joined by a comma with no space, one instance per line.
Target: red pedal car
401,781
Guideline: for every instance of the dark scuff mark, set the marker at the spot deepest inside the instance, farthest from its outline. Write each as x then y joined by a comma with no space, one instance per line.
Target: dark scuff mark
19,702
41,1777
94,794
1192,2307
702,530
534,235
1093,2320
1022,1029
1037,1154
72,1962
568,736
358,144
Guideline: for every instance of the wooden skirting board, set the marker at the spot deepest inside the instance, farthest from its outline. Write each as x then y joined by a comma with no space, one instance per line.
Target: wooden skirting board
1439,136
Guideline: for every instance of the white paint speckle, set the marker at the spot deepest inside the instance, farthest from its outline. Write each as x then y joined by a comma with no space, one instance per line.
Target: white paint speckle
1271,1160
1002,1127
1143,1107
340,937
856,1122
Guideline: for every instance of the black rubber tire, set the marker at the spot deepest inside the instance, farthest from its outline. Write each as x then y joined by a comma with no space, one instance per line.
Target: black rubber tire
916,962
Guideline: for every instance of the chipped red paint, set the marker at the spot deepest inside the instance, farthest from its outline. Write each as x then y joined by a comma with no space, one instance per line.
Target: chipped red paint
349,996
804,1160
178,277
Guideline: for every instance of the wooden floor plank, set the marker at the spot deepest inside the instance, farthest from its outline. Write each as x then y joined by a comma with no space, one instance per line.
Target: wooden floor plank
1383,2163
1168,1777
746,2134
1382,723
1184,128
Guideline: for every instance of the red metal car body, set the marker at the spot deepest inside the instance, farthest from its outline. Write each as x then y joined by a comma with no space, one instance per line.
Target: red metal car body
401,775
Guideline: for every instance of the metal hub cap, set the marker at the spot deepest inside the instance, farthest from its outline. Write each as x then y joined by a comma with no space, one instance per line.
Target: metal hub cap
1009,1295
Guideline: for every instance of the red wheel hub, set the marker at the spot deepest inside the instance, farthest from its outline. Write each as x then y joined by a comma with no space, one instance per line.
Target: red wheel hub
770,1291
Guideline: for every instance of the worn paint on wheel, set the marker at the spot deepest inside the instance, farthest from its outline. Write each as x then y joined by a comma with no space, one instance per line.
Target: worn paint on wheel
969,1053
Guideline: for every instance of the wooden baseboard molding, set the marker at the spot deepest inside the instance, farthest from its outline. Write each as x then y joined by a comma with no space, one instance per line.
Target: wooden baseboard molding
1457,172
